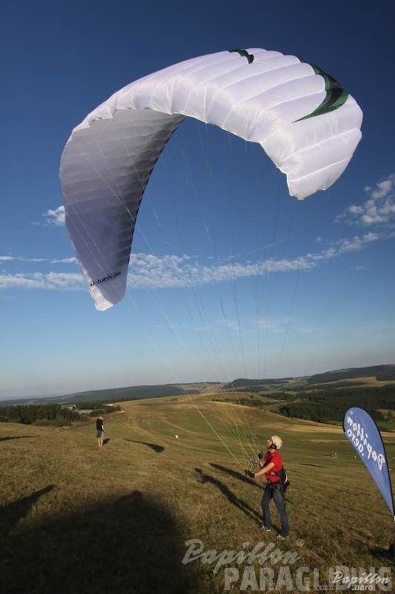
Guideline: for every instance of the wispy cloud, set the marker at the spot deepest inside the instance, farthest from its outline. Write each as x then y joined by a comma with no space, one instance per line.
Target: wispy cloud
148,271
377,209
71,260
48,282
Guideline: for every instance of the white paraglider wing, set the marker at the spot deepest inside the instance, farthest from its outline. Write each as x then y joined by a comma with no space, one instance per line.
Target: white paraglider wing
303,120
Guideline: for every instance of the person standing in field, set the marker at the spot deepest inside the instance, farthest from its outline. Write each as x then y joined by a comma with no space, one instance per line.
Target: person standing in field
272,468
100,430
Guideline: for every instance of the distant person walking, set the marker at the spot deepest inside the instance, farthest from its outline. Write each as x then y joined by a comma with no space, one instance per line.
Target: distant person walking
100,430
272,468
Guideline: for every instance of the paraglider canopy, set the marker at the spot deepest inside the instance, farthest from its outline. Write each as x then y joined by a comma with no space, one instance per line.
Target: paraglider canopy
302,118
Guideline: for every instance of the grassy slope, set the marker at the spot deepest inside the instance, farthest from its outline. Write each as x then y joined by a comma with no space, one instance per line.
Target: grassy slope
76,518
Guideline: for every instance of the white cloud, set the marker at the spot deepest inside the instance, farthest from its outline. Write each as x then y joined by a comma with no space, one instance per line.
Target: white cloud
72,260
51,281
378,209
148,271
53,217
153,272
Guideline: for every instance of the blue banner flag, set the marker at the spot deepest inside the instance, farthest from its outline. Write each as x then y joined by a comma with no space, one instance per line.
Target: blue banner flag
365,437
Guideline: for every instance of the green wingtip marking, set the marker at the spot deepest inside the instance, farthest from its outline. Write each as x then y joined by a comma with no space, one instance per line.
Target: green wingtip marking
243,52
335,95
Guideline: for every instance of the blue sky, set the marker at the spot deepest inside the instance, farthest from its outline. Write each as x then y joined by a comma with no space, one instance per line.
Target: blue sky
230,276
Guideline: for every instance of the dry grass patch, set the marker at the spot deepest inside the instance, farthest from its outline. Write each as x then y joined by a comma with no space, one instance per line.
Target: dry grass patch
83,518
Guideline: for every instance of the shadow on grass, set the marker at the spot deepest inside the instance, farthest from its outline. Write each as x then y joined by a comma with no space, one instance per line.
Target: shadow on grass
12,513
16,437
157,448
242,477
385,555
132,545
239,503
238,475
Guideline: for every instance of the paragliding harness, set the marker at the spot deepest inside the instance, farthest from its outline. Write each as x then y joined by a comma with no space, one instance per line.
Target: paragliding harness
283,484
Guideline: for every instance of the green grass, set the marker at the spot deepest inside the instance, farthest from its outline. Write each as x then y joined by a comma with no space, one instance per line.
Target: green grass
76,518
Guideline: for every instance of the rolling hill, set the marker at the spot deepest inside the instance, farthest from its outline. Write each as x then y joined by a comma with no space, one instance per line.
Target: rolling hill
358,376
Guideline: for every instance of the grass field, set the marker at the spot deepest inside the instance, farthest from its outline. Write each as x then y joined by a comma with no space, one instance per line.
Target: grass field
76,518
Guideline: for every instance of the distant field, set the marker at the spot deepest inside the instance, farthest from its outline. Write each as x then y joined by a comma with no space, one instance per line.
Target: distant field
76,518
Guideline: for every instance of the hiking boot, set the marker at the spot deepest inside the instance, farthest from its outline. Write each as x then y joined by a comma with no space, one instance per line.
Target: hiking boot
263,527
281,537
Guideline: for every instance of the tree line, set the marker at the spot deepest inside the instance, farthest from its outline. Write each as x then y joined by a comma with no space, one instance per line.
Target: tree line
52,414
330,406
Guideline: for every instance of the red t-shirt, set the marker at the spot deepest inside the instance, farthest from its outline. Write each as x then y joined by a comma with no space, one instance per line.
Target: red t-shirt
275,457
